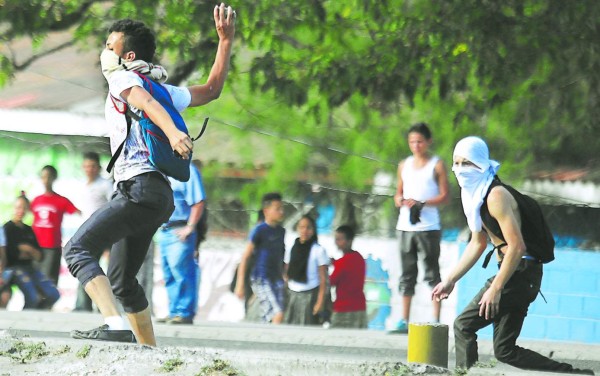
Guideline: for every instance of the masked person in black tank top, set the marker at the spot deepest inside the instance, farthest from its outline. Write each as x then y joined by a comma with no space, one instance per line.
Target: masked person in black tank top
496,211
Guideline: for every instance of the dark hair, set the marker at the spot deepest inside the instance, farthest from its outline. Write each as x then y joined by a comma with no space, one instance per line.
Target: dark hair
268,198
23,197
421,128
137,37
313,223
261,216
347,230
92,156
51,170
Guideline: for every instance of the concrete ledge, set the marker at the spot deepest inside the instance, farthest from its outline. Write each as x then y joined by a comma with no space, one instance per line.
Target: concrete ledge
264,350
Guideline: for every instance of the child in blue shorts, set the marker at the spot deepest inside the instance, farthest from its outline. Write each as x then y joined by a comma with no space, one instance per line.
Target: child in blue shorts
266,243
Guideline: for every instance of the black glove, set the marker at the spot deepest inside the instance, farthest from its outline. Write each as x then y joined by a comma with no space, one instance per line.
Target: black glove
415,212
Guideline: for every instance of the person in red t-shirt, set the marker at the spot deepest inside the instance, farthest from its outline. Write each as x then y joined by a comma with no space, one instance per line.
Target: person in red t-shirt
348,277
48,210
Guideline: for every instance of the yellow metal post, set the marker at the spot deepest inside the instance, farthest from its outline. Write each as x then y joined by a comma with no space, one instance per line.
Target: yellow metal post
428,344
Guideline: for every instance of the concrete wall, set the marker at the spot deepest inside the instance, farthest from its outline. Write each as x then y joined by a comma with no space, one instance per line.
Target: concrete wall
571,285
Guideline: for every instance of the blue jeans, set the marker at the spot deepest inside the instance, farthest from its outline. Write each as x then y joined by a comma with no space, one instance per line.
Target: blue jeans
181,272
38,291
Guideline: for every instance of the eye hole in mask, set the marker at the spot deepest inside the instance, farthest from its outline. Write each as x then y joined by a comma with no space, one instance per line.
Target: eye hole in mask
464,165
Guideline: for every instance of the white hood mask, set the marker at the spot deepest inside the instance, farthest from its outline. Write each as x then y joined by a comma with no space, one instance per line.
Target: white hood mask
111,62
474,181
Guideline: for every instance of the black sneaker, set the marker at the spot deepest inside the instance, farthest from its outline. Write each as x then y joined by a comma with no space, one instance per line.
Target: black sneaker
102,333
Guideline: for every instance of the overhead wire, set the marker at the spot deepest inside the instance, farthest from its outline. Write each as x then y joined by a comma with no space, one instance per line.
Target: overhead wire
306,143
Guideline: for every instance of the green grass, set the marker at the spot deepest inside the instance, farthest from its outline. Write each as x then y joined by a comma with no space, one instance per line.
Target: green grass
219,368
84,352
399,370
62,350
463,371
22,352
171,365
491,364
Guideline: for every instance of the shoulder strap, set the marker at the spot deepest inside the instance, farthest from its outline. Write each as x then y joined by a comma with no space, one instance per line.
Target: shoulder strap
486,261
128,115
115,156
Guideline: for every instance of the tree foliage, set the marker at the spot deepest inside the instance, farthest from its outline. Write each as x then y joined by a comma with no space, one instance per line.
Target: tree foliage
353,75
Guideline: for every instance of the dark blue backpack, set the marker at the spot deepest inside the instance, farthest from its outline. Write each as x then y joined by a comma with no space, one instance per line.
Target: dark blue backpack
161,155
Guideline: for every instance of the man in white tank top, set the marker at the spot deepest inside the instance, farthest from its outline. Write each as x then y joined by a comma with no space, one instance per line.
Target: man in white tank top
422,186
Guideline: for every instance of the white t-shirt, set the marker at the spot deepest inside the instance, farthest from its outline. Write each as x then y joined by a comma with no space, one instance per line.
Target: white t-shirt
133,160
318,257
94,195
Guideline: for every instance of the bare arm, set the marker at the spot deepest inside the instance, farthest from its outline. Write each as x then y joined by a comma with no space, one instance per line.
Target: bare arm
195,214
472,253
398,197
240,283
335,276
504,209
211,90
2,259
322,287
285,272
138,97
441,176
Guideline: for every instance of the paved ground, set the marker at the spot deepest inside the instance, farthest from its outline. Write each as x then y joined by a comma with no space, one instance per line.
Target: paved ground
251,349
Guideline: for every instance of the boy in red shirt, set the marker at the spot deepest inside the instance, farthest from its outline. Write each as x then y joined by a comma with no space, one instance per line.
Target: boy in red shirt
349,308
48,210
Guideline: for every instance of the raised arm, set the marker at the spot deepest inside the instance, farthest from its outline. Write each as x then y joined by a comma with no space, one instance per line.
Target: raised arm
211,90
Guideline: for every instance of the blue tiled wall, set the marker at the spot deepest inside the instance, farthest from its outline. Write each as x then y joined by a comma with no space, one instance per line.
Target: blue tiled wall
571,285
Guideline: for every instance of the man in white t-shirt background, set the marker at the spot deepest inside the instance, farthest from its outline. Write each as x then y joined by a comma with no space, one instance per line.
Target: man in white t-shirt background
96,191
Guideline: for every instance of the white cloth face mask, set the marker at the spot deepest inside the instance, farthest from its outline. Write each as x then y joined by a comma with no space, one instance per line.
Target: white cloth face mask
110,62
468,177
